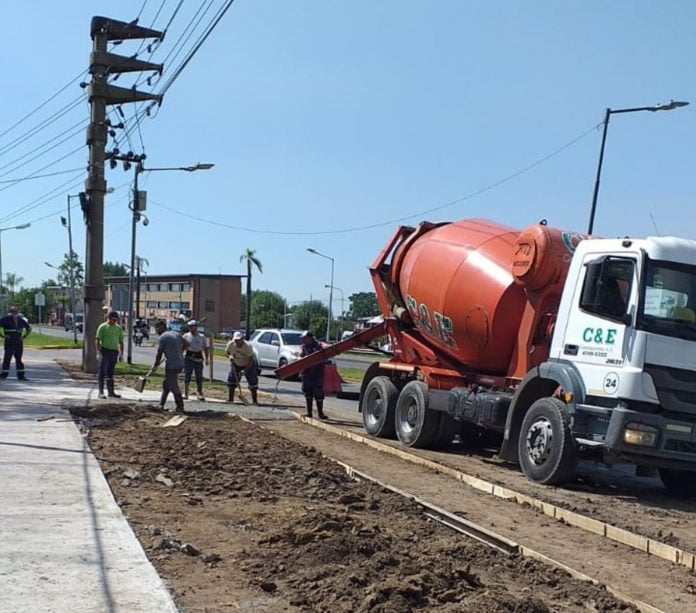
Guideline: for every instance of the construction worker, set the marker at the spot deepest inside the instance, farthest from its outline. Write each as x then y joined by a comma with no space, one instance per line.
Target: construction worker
242,360
14,329
197,353
109,342
313,377
171,346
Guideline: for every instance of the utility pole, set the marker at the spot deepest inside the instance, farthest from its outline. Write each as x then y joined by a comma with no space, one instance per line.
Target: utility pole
101,94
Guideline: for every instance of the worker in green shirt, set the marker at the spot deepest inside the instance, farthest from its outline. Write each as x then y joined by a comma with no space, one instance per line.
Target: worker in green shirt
109,343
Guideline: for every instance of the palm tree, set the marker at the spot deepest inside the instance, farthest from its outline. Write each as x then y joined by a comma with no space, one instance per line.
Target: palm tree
12,281
251,260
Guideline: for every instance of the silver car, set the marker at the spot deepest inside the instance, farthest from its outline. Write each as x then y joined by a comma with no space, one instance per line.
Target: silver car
275,348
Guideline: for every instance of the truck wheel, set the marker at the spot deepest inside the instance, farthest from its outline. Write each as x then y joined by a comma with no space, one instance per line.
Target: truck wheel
547,452
446,432
679,483
377,405
416,426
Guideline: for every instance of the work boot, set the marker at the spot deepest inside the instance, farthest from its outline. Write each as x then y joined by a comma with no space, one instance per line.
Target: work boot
22,378
230,394
101,390
201,398
110,388
320,409
254,396
186,391
309,408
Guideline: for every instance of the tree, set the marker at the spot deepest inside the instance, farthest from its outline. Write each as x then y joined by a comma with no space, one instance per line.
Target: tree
267,309
71,262
364,304
312,316
24,301
115,269
249,256
12,281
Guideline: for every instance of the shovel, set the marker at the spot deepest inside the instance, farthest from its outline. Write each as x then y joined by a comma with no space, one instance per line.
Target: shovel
141,381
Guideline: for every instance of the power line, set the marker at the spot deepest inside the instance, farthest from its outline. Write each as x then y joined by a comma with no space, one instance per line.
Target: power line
47,197
220,14
391,221
41,126
142,8
80,125
43,104
34,176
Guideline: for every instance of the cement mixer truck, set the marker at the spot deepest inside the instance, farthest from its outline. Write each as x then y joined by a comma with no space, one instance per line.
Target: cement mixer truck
552,344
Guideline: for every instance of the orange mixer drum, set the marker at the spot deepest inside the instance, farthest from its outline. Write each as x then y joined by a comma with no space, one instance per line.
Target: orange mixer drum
465,285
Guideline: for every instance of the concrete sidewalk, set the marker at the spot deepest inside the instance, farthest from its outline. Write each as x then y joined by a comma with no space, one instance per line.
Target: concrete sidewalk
65,546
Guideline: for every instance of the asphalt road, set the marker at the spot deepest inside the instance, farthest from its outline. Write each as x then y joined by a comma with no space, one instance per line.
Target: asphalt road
145,355
343,361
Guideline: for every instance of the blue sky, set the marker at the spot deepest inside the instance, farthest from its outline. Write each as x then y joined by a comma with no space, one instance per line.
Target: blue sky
324,115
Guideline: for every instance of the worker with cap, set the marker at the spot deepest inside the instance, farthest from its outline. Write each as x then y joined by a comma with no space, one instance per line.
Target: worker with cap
242,360
14,329
313,377
109,342
196,354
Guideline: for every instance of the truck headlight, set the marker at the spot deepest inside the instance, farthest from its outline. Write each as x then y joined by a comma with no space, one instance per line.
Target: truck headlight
640,434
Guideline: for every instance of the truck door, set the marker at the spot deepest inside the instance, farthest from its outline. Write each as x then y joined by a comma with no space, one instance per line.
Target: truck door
603,308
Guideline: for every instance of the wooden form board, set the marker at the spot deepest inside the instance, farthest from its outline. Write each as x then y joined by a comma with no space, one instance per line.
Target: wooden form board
625,537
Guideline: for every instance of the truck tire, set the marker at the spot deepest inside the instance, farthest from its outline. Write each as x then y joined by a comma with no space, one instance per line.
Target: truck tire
377,405
416,426
547,451
679,483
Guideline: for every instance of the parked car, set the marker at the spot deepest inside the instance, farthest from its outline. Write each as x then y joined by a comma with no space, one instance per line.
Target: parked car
76,320
227,333
275,347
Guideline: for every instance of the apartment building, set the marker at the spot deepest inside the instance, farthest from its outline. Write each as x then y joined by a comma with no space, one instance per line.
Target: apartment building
216,297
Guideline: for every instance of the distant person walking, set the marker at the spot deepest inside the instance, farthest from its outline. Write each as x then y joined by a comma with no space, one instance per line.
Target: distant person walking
170,348
197,353
313,377
242,360
109,342
14,330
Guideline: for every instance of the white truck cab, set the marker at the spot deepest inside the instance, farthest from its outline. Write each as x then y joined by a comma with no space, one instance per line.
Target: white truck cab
626,325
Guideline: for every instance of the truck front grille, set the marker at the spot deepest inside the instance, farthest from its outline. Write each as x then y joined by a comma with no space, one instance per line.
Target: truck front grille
676,388
674,444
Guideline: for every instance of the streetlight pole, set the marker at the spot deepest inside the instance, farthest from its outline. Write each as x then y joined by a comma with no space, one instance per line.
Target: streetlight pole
24,226
342,311
328,322
137,207
670,106
71,261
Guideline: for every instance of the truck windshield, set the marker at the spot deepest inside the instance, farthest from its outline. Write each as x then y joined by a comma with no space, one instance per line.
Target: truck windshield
669,299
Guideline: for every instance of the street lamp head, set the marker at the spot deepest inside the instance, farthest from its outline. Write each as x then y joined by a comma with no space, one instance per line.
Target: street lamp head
24,226
203,166
671,105
49,265
311,250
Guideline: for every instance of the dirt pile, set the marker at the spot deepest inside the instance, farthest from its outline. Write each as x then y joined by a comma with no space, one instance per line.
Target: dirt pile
235,517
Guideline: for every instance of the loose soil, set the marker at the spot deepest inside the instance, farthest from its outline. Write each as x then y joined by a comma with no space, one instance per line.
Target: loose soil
636,504
235,517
